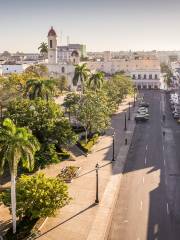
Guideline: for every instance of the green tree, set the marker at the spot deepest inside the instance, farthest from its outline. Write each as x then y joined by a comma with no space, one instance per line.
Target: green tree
81,74
92,112
62,84
96,81
38,196
16,144
62,133
166,70
43,49
40,88
70,102
39,115
117,88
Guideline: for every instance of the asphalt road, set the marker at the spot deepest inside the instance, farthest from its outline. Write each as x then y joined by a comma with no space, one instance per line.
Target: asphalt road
148,205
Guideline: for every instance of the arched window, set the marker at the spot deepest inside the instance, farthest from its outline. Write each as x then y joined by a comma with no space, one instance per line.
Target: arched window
156,77
144,76
63,70
50,43
139,76
150,76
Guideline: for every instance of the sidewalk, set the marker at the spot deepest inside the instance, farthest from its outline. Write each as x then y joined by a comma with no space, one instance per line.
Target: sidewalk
82,219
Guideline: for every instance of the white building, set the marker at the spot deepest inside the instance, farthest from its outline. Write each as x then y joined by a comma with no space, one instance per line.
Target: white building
6,69
144,69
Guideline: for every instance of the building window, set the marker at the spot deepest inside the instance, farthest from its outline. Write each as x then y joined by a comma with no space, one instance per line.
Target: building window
144,76
134,76
139,76
50,43
156,77
63,70
150,76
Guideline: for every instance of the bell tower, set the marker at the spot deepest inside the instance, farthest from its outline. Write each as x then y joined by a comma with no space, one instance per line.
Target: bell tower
52,46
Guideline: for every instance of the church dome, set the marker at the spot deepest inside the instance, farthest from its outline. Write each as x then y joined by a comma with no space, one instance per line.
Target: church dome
52,33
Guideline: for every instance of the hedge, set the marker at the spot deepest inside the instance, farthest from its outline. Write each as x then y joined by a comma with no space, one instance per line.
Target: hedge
86,147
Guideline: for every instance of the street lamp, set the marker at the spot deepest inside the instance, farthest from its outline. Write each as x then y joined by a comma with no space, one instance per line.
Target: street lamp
125,125
113,153
97,184
129,114
1,114
134,97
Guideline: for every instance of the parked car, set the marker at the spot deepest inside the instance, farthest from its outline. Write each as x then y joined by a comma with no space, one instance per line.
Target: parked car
141,118
144,104
176,116
142,110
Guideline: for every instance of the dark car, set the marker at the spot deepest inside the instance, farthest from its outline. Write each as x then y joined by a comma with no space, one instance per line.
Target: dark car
144,104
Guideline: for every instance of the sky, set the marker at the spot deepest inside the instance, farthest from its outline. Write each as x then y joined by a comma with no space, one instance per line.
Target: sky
114,25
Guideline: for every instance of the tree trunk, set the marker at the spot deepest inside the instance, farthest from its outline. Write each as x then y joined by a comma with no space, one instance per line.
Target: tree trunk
86,133
13,200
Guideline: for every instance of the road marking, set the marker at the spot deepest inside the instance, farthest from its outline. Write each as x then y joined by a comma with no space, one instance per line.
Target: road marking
145,160
165,181
125,221
146,147
156,228
167,206
164,162
143,180
141,205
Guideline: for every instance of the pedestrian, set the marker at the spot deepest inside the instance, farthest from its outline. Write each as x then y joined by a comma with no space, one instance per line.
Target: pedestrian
164,117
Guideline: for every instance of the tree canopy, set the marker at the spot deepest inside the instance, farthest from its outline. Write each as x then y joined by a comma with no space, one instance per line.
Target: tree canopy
38,196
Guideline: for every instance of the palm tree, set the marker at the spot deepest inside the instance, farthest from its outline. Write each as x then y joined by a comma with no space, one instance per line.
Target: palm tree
16,144
96,81
43,49
81,73
41,88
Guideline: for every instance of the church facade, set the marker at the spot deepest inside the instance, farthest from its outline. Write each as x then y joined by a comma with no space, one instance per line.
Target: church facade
61,59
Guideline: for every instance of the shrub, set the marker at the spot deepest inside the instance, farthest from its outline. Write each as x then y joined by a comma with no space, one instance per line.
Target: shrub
68,173
64,155
86,147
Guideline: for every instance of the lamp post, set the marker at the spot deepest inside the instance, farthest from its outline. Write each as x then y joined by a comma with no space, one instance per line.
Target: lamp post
97,184
113,153
1,115
125,125
134,98
129,114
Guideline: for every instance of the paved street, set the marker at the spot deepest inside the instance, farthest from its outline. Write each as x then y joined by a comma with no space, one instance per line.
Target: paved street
148,201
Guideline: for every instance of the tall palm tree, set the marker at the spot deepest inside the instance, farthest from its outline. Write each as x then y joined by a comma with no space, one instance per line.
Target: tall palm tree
96,81
81,73
16,144
43,49
41,88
